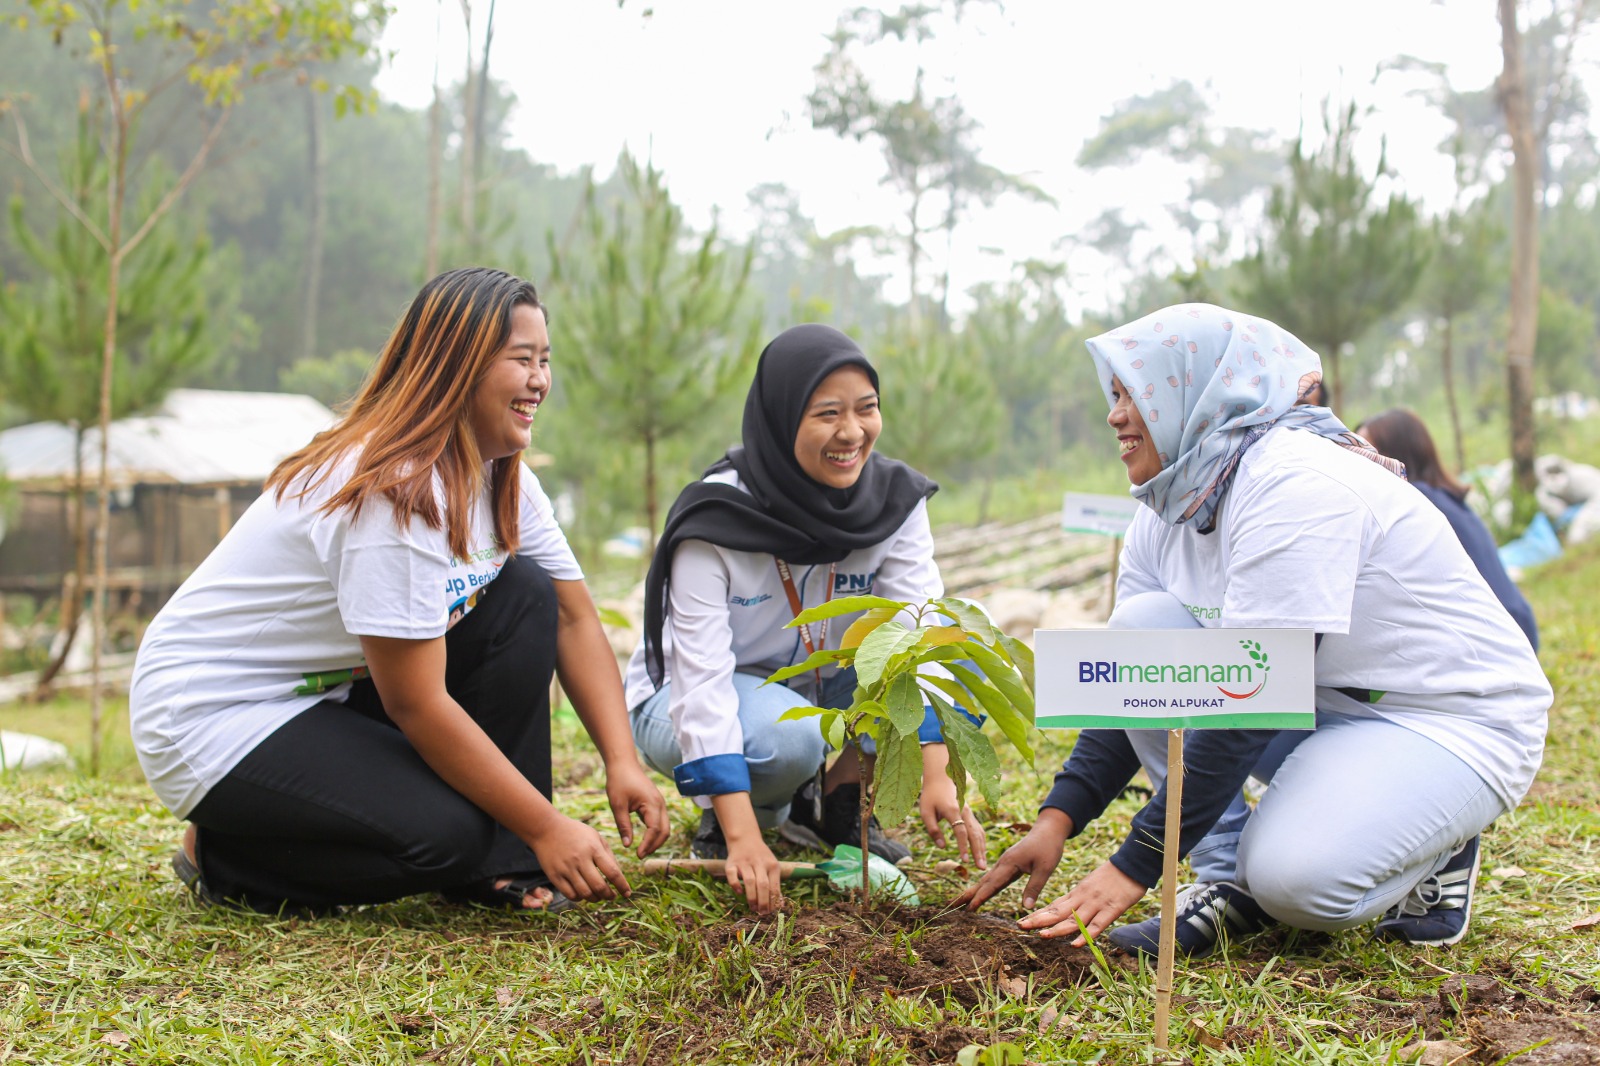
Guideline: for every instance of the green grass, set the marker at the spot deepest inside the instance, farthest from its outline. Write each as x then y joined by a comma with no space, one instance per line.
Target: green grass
104,958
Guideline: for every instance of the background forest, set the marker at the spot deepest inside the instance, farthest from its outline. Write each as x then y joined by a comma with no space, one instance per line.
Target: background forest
319,208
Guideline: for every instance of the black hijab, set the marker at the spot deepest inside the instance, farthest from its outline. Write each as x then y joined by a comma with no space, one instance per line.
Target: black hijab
781,511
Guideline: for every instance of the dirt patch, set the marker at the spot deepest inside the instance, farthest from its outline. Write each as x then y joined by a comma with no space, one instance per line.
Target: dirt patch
903,951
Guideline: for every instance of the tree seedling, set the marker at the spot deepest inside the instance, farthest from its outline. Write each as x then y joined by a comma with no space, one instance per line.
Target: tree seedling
951,658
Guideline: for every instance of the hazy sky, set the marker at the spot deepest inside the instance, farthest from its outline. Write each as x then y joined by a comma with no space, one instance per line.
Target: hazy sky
714,91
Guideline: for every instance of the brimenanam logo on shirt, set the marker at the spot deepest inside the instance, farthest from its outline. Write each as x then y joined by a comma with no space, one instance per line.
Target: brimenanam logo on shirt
1251,675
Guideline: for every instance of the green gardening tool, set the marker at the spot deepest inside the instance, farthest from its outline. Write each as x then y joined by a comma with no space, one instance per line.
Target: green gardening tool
843,872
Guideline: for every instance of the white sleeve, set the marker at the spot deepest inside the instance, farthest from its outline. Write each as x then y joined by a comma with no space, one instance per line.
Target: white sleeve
541,535
1137,571
908,571
1296,545
704,706
389,580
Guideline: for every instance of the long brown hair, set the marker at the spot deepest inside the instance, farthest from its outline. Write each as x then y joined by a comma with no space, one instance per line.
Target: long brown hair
412,415
1401,435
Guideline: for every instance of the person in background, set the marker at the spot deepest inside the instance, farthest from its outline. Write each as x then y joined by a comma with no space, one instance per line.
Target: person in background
803,510
1260,512
1400,434
349,699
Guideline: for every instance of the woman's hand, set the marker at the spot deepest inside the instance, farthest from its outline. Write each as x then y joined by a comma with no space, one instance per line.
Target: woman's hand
577,860
1037,855
752,869
938,804
631,792
1090,908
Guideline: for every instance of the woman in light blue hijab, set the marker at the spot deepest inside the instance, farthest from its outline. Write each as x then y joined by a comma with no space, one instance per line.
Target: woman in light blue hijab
1262,511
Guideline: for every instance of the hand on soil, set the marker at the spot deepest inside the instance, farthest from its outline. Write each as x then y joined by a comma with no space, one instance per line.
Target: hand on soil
1096,902
752,871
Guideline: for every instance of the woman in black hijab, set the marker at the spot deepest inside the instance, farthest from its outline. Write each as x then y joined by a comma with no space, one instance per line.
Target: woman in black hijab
804,509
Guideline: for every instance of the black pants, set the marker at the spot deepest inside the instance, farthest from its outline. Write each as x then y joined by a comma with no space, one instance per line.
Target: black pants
337,807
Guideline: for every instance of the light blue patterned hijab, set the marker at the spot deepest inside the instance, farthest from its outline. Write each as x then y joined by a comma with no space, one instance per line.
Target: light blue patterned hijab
1209,383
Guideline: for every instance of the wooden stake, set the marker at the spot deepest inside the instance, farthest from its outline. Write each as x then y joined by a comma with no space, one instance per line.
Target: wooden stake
1169,884
1116,565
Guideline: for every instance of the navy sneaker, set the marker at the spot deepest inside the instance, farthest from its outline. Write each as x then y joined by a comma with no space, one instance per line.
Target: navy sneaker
1208,913
840,823
1439,907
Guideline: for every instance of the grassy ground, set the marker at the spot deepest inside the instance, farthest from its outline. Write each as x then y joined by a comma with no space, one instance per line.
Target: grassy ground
104,958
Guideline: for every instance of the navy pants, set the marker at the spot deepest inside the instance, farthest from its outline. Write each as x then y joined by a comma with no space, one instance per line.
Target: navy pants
336,806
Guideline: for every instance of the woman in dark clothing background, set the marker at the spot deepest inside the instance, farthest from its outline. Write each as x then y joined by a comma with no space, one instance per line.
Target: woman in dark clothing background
1400,434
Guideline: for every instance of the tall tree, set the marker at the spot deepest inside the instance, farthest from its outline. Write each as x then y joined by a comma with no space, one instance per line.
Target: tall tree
52,334
224,49
941,413
928,140
656,323
1333,261
1524,330
1228,167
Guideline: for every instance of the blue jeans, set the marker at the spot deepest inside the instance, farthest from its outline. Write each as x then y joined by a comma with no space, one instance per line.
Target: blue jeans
782,756
1359,812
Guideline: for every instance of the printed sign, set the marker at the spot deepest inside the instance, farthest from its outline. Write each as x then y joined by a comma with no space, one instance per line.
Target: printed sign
1175,678
1084,512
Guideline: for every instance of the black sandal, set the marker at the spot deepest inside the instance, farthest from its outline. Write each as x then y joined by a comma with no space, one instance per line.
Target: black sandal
487,893
189,874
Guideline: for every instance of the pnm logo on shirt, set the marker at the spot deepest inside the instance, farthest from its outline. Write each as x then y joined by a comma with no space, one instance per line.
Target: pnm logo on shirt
750,601
855,584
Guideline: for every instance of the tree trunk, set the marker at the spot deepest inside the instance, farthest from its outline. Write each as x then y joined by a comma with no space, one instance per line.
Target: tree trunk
317,165
430,261
1513,92
72,601
866,822
108,359
1334,385
1447,360
650,507
469,95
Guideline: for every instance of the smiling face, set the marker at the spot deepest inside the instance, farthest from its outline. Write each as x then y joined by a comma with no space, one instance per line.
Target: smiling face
511,390
1133,437
837,431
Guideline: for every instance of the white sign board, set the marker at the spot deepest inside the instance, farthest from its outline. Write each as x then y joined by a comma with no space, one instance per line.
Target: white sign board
1175,679
1084,512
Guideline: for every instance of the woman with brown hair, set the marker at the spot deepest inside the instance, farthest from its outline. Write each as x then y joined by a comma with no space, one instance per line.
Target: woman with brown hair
1400,434
349,699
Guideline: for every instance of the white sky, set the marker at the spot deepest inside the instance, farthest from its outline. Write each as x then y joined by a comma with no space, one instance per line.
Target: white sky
714,92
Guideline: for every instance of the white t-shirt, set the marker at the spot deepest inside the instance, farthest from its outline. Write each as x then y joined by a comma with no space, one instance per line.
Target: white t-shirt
269,623
1312,536
727,612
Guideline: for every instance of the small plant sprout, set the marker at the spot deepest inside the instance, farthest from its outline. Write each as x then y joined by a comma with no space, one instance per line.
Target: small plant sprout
951,658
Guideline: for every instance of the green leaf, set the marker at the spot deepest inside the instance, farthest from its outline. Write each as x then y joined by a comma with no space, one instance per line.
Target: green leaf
815,661
866,624
881,645
969,616
848,605
905,704
1021,657
997,707
897,776
1004,677
935,636
833,730
612,617
967,740
955,769
795,714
